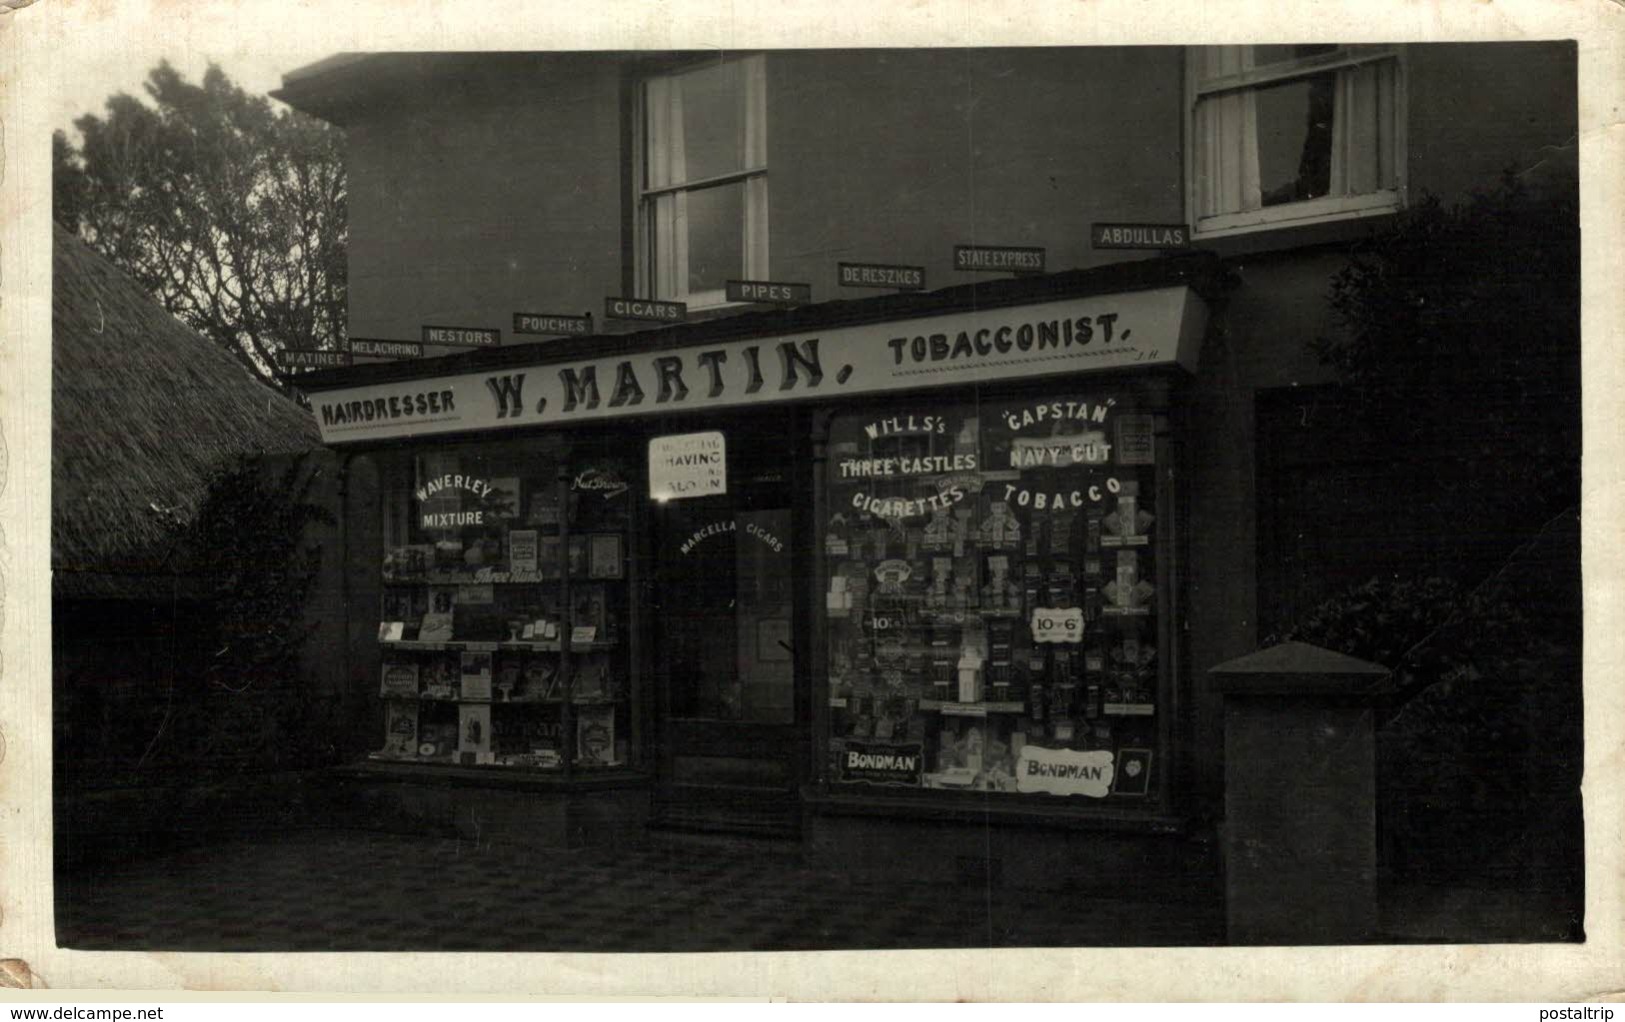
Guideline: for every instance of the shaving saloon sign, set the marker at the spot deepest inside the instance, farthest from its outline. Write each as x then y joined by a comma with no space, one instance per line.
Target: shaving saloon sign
1162,326
859,761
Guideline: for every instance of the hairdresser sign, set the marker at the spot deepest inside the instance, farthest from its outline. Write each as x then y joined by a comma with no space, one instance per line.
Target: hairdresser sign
1136,329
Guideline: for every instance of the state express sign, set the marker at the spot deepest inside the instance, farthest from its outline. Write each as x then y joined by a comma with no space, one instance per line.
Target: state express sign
1162,326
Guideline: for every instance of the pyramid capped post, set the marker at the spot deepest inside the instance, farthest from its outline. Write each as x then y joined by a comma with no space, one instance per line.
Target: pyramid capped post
1299,668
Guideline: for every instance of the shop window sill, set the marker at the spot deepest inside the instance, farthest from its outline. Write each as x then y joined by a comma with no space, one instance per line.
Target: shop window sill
451,775
994,809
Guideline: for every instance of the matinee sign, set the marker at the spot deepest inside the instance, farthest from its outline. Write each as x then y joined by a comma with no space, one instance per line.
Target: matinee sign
304,358
1137,329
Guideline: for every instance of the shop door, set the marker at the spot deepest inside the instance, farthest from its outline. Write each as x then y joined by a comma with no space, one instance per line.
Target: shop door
726,664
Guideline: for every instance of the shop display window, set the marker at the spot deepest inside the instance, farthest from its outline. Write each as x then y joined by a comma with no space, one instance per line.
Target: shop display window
993,598
505,615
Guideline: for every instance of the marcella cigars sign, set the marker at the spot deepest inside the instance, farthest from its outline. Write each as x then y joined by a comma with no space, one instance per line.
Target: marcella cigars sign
1137,329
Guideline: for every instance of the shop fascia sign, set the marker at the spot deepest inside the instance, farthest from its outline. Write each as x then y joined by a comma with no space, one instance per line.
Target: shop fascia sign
1137,329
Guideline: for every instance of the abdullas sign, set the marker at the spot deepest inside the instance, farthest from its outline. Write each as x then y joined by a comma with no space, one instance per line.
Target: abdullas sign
1140,328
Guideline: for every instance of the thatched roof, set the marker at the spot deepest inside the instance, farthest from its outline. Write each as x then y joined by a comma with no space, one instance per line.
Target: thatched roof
144,411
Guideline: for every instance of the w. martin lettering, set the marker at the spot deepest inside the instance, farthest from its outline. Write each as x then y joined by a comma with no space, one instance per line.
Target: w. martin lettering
666,377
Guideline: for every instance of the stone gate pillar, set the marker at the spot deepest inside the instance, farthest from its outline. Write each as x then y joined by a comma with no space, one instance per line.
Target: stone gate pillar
1300,795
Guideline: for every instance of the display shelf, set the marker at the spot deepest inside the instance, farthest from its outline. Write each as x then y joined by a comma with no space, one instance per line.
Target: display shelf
472,646
952,708
453,760
959,616
469,578
1129,709
425,698
981,709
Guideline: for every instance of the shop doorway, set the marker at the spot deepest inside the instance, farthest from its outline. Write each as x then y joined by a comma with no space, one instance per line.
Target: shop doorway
725,664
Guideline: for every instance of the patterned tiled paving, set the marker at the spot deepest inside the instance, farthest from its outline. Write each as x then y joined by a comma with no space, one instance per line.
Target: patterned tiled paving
325,890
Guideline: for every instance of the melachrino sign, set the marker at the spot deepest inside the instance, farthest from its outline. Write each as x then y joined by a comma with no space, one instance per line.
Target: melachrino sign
1135,329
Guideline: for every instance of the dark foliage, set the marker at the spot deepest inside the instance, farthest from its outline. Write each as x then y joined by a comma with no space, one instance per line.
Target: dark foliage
252,707
230,213
1482,751
1462,332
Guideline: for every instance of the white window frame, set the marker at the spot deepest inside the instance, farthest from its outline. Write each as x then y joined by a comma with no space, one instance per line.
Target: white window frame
660,227
1292,214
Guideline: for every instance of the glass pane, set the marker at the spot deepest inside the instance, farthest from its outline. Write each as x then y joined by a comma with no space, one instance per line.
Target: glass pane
762,569
698,589
1277,54
992,599
716,236
1295,139
713,121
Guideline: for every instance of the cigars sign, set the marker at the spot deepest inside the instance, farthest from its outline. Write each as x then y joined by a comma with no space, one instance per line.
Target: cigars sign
1140,328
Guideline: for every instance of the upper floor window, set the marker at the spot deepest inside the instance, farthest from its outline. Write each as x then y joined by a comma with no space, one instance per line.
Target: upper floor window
703,203
1290,134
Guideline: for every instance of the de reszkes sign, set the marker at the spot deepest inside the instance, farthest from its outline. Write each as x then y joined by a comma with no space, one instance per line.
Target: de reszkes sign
1135,329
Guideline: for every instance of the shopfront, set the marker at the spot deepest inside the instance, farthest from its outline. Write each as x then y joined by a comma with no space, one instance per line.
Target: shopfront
907,559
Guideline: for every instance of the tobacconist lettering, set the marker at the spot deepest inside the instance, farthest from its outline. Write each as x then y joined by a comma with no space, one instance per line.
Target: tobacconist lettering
1050,335
1137,329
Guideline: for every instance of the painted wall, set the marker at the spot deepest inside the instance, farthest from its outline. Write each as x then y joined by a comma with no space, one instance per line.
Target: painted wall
1477,109
896,156
466,208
